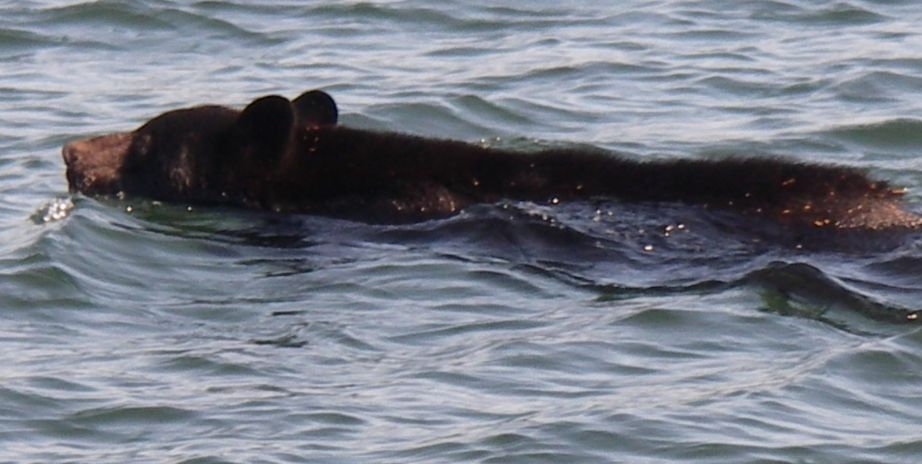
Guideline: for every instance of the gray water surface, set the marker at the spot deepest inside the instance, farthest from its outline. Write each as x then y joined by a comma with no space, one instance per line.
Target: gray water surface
135,331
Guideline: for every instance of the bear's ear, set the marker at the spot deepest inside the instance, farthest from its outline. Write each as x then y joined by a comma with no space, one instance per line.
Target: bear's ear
315,108
263,129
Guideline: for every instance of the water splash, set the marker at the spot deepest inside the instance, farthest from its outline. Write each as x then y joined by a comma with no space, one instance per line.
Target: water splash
55,210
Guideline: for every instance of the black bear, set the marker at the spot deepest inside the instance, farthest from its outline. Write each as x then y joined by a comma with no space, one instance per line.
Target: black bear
292,156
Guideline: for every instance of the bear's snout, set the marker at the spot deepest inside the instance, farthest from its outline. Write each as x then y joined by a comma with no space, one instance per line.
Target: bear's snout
70,153
93,165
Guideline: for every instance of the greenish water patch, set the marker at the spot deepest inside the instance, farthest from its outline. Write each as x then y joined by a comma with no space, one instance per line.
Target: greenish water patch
896,133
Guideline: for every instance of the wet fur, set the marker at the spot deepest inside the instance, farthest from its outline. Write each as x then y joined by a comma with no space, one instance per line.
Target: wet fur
291,156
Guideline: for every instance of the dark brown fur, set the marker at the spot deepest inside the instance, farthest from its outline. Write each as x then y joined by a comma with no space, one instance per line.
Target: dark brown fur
292,157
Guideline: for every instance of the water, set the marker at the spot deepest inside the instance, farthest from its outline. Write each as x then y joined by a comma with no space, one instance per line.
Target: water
142,332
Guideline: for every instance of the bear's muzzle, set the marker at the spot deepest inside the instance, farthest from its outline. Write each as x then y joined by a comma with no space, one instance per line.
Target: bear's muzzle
94,164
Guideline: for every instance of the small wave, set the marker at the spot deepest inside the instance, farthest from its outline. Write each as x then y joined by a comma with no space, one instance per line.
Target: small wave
429,18
473,107
803,290
136,416
137,17
791,289
603,68
738,86
411,16
103,13
729,35
839,13
12,39
892,133
878,86
427,118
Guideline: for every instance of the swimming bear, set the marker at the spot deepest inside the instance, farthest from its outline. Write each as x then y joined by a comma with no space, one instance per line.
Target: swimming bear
292,156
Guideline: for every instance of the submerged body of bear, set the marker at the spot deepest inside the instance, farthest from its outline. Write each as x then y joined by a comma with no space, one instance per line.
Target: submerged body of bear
291,156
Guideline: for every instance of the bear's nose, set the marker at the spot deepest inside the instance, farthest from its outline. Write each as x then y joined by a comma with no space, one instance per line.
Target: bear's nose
70,153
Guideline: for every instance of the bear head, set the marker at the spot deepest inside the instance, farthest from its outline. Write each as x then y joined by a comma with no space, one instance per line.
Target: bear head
200,154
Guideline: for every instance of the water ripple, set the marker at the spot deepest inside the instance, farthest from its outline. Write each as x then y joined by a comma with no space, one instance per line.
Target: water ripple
14,39
899,133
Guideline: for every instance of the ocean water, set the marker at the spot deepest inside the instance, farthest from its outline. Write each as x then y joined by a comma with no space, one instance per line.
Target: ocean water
135,331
